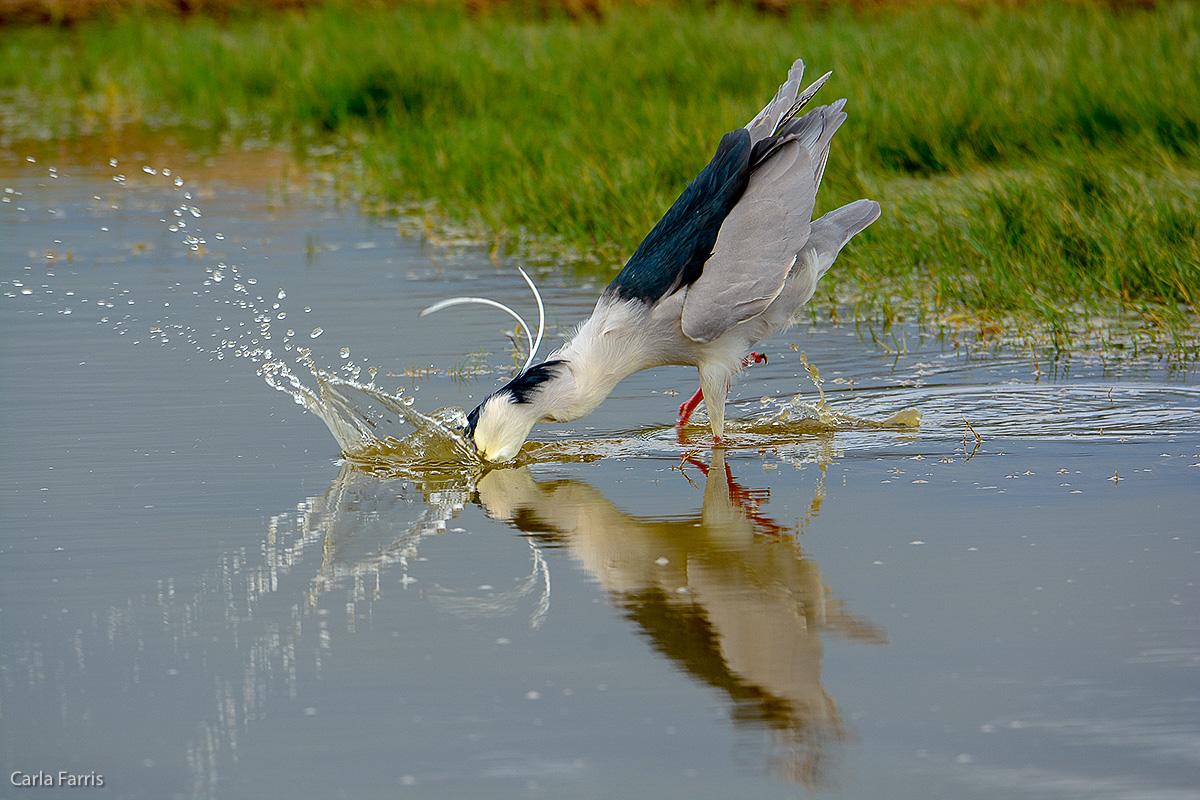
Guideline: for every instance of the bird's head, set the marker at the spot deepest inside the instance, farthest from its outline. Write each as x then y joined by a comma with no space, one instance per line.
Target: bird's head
501,423
499,426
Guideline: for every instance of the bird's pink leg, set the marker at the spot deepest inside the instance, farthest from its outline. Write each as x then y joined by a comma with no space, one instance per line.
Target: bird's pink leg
687,407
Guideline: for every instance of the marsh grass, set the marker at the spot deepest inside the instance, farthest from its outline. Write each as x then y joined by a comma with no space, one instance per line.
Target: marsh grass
1035,164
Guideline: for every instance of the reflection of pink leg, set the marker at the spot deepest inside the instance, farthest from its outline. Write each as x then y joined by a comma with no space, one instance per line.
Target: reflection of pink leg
686,409
748,501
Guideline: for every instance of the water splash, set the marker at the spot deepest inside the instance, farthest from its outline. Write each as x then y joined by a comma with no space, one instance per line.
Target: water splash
376,429
373,427
799,414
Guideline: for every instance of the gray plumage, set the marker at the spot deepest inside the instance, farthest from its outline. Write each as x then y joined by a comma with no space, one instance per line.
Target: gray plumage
729,265
762,237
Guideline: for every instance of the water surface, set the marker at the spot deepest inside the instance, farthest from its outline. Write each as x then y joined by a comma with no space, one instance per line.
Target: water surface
200,598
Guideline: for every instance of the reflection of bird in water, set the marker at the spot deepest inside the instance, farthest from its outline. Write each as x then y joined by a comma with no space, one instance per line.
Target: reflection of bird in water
740,610
727,266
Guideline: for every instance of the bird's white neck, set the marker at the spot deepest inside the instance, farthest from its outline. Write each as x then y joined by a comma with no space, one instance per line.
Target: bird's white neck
604,350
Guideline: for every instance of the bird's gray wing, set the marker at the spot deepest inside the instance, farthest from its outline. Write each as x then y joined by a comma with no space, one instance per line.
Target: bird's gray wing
755,248
760,239
831,232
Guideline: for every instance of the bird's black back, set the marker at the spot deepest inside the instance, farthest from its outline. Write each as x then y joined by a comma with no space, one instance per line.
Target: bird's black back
673,254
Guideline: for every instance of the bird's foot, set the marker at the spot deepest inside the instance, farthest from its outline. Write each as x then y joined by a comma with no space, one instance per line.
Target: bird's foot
754,358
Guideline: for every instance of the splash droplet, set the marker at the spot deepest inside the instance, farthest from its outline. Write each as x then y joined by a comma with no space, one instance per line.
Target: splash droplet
316,332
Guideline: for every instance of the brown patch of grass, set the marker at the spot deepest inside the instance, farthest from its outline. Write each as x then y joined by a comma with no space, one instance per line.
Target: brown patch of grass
70,12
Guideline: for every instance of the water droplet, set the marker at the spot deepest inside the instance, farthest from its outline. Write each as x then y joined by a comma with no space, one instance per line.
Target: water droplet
149,170
316,332
345,352
282,294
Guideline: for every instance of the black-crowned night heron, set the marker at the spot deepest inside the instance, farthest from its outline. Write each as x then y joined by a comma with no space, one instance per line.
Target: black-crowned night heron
728,265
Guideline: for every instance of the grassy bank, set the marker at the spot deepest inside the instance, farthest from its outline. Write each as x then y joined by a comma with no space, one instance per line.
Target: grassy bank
1038,167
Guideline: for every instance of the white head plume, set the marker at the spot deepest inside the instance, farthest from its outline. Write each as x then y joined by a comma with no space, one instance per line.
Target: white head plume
533,344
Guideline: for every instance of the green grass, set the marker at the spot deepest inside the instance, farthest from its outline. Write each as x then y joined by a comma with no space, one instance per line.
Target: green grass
1038,167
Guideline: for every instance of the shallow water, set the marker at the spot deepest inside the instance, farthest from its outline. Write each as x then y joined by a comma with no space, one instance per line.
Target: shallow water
200,598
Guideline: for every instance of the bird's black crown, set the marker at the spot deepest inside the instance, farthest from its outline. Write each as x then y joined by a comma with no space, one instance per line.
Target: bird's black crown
520,389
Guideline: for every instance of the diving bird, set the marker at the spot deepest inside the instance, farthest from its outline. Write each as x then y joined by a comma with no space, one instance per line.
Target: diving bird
729,264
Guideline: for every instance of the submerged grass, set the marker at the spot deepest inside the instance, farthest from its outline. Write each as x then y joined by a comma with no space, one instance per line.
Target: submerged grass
1036,165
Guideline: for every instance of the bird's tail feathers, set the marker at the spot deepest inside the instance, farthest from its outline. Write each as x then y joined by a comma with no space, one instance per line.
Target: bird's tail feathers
814,125
801,102
814,131
785,105
767,120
